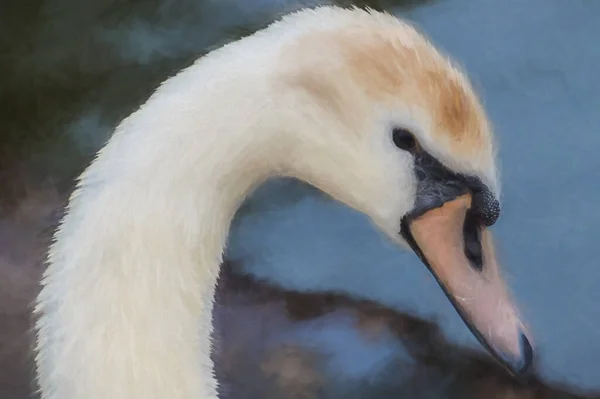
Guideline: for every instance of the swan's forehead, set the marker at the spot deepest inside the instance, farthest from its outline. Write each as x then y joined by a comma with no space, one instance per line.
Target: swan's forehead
409,71
390,64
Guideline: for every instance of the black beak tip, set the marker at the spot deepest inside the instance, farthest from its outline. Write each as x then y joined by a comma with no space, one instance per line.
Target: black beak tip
527,351
521,367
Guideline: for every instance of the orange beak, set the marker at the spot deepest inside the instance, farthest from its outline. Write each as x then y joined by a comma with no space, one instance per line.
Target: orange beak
460,254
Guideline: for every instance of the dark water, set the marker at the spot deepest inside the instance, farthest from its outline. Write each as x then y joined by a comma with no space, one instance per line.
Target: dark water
69,70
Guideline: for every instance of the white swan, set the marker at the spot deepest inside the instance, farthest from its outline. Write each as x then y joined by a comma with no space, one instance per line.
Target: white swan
354,102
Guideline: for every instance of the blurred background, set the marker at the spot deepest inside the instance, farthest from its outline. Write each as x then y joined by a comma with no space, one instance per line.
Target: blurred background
313,302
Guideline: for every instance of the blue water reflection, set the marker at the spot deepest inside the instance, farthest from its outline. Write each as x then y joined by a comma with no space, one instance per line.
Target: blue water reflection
536,65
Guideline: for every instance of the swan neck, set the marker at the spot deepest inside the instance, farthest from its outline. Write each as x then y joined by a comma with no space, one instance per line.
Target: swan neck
127,298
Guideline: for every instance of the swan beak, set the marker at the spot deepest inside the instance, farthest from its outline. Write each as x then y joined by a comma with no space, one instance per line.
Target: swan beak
466,268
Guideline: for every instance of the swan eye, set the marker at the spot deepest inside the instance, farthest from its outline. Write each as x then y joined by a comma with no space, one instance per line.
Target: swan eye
404,139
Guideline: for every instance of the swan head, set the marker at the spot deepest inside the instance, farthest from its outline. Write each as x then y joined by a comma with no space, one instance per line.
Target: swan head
385,123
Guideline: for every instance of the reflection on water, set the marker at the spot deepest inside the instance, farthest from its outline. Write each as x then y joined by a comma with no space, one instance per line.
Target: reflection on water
70,70
273,343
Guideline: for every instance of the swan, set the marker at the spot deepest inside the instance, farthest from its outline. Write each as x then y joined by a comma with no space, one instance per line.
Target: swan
353,101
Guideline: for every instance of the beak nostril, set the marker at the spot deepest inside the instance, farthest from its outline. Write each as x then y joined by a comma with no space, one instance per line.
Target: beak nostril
472,241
